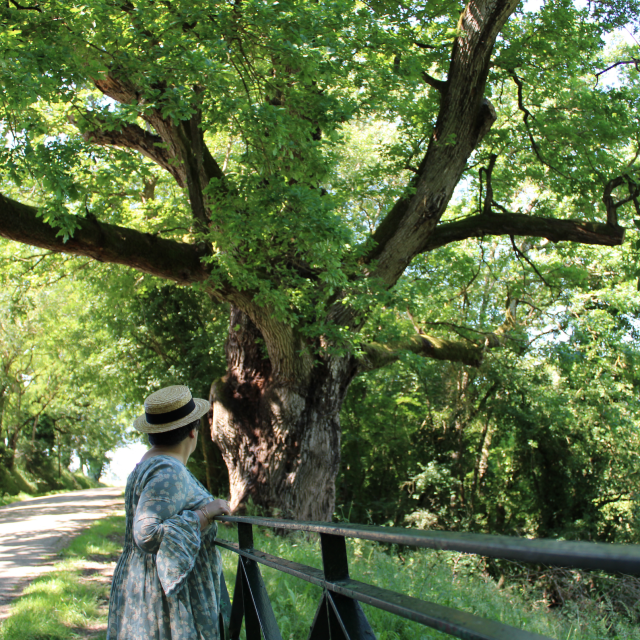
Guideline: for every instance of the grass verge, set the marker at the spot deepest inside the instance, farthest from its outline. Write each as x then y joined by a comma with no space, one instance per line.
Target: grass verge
73,482
70,601
18,484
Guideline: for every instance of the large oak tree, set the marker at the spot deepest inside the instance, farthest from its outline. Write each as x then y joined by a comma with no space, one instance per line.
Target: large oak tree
218,144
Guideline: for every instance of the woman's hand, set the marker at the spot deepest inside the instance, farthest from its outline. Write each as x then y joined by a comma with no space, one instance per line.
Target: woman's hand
217,507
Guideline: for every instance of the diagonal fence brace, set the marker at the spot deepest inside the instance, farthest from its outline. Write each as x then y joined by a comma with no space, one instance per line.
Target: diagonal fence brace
250,598
340,618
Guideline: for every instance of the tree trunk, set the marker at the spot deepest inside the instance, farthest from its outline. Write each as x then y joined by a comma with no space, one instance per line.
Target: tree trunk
215,470
279,432
12,447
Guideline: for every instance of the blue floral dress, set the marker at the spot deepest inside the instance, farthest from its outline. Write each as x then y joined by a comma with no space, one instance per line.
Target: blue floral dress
166,585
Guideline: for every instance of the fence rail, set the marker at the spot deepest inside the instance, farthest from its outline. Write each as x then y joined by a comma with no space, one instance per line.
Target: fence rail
339,615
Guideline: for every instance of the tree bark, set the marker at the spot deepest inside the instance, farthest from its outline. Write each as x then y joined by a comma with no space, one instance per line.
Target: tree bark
279,434
12,447
215,468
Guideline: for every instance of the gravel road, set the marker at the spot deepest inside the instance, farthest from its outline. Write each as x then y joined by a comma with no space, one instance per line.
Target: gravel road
33,530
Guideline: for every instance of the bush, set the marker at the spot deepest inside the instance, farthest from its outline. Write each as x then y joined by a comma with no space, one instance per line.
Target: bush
84,482
22,482
8,483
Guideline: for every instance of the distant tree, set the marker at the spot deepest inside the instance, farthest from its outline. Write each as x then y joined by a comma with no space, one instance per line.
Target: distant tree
55,396
162,333
298,161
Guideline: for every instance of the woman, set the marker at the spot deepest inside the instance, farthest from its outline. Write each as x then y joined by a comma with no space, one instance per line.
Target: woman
166,585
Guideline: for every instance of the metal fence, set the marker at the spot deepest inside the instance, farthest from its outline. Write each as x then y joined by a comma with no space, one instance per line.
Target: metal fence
339,615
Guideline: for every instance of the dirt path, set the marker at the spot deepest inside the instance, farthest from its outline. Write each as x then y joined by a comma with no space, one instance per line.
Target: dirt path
33,530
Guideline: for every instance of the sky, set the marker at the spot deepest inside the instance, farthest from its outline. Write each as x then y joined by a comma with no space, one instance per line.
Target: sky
122,463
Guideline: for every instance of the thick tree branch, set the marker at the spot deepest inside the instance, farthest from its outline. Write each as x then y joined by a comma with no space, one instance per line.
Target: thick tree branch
376,355
388,226
464,118
183,143
192,154
517,224
132,136
106,243
201,167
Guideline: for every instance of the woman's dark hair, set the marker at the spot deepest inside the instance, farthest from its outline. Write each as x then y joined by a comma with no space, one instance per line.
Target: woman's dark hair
175,436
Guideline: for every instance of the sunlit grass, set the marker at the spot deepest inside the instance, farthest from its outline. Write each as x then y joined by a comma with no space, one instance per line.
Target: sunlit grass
102,540
63,604
18,497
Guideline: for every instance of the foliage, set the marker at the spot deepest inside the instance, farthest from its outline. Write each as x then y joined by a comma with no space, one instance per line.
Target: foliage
158,333
541,440
318,116
81,349
55,400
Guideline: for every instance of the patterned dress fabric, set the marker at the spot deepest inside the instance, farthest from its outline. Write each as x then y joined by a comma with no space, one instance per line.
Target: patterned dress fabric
166,585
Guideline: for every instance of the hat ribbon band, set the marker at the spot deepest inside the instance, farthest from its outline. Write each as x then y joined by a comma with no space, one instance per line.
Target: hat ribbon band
171,416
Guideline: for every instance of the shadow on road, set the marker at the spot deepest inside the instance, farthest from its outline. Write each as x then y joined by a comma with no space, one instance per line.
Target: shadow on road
33,530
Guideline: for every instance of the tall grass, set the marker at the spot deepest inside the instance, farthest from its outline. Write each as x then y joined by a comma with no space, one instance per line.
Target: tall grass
446,578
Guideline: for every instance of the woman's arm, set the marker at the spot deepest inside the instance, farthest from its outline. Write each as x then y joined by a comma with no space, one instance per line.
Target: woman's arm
163,524
162,501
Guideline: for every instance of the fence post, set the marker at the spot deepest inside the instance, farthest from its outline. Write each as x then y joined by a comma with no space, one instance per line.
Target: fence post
338,617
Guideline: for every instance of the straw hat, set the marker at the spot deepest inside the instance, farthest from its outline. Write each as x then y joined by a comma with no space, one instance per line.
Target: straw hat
170,408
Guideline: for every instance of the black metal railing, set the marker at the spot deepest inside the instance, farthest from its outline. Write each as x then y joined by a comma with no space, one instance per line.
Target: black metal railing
339,615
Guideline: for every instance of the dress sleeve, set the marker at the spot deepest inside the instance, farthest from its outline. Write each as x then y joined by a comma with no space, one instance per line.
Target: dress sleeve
163,526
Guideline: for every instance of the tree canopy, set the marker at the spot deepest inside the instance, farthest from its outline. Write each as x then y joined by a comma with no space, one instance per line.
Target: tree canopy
314,165
252,111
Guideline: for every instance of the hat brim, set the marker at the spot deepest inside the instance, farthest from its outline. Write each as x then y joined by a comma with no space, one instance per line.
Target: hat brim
141,424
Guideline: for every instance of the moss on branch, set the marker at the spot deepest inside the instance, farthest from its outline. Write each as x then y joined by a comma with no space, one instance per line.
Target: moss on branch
376,355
